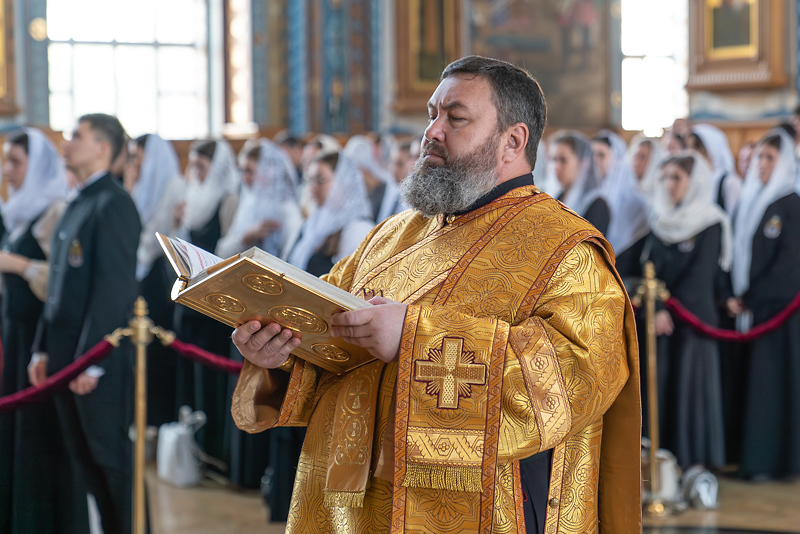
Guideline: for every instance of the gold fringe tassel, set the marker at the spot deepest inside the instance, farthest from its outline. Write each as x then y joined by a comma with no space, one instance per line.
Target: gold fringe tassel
350,499
454,478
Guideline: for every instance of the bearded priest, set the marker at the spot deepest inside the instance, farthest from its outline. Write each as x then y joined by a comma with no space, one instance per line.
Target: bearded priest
505,392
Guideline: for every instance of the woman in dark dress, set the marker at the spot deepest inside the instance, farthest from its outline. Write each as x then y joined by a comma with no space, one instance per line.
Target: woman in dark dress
629,208
575,171
152,177
689,243
205,216
765,278
38,489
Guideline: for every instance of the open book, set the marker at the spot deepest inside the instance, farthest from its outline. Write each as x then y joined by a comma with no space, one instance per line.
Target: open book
255,285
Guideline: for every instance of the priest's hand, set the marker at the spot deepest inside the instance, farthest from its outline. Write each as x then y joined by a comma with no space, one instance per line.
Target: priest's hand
377,328
268,347
83,384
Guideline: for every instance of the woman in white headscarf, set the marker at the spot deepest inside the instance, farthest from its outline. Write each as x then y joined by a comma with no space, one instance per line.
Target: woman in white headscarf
211,200
382,189
573,168
644,156
765,278
342,218
268,210
689,244
712,143
629,207
153,178
35,483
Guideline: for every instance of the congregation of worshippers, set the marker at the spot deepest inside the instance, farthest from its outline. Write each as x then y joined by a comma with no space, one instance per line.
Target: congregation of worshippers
720,227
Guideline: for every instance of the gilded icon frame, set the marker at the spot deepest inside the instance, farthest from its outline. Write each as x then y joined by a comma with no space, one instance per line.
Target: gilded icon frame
754,59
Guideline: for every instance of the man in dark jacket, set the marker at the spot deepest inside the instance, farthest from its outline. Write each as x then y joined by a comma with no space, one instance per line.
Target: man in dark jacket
91,290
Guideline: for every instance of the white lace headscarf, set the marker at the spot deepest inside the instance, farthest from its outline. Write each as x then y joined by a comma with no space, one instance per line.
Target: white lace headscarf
674,223
585,189
45,182
271,195
756,197
203,199
346,202
361,149
719,151
160,164
652,172
629,208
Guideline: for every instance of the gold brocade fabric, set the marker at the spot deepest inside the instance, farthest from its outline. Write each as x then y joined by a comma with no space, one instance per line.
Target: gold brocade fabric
519,338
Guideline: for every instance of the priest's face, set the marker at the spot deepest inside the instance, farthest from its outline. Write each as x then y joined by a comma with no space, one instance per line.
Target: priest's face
460,152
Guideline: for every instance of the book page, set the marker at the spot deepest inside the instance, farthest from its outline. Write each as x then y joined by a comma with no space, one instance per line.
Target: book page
197,259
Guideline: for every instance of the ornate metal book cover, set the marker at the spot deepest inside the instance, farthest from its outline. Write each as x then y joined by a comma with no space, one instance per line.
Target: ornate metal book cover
258,286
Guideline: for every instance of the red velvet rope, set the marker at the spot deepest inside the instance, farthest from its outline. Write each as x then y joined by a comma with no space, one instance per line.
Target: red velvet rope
766,327
195,353
58,380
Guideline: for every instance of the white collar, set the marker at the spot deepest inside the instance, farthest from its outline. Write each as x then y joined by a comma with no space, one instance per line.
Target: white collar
92,179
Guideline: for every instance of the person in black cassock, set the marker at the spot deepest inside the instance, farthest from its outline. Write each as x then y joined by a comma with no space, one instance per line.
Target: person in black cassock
211,201
90,292
765,279
38,490
689,242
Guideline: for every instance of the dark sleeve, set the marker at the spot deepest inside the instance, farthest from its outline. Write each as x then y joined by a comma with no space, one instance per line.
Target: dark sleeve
599,215
113,286
774,273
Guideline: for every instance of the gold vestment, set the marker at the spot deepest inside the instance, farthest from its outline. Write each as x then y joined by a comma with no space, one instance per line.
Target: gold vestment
519,338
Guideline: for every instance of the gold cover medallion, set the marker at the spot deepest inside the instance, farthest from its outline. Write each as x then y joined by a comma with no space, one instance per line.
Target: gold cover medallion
225,303
263,284
298,319
330,352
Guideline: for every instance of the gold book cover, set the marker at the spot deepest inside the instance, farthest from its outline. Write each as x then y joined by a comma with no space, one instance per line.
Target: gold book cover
255,285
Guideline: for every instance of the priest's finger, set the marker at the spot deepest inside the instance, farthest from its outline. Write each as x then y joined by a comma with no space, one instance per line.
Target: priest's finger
352,331
243,334
258,340
353,318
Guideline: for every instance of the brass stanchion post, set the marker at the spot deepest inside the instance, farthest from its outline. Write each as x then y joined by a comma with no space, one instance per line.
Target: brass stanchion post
141,329
652,289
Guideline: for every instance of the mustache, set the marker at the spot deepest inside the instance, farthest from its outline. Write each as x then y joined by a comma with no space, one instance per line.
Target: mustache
434,149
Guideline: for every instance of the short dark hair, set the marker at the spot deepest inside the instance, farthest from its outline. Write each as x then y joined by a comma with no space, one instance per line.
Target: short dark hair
515,93
20,139
205,148
107,127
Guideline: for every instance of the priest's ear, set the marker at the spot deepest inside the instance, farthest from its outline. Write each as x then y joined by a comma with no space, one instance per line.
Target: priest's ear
515,140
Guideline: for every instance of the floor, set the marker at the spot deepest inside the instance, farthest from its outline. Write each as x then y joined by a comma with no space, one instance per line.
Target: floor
212,509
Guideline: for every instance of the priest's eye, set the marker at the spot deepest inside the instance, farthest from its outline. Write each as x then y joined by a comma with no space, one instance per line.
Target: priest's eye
457,119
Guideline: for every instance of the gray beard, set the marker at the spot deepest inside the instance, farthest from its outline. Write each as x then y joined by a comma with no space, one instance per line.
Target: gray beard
453,186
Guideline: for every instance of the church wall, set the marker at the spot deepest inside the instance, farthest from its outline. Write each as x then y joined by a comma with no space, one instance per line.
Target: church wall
746,114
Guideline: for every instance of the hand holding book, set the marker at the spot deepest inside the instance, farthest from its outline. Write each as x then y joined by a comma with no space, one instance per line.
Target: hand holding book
256,286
